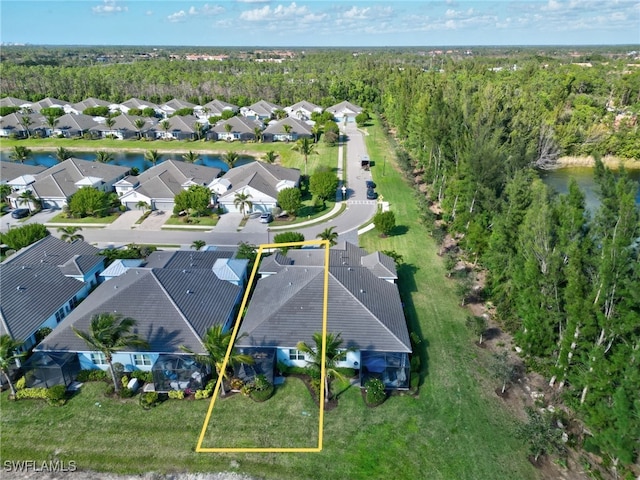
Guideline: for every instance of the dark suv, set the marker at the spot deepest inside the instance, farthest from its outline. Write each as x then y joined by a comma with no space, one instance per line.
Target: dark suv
371,194
20,213
371,184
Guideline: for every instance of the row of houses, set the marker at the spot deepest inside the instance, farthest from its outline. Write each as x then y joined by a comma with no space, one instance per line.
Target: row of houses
255,122
175,297
157,187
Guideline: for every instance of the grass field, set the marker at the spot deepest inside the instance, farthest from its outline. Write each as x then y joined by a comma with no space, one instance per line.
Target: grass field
456,428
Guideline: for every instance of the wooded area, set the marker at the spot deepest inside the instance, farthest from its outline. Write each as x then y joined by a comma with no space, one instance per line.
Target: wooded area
565,281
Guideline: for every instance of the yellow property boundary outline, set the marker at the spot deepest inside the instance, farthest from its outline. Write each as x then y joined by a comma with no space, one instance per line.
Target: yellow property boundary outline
199,447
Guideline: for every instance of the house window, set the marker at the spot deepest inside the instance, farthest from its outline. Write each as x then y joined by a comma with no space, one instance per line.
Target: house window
60,315
140,360
342,357
98,359
295,354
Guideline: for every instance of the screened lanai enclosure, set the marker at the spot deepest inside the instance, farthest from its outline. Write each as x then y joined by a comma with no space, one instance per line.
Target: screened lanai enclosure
46,369
391,367
177,372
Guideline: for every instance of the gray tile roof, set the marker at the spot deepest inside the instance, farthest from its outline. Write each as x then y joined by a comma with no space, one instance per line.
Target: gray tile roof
171,308
125,123
13,102
303,105
344,107
32,294
185,259
167,179
75,123
80,265
90,103
177,104
13,122
297,126
47,102
59,181
178,123
140,104
216,107
264,108
11,170
53,251
287,308
238,125
264,177
119,266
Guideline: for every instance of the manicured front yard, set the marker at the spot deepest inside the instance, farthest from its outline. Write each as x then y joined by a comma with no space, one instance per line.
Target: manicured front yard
62,218
210,221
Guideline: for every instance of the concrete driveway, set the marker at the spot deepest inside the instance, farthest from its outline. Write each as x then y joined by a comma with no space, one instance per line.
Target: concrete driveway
43,216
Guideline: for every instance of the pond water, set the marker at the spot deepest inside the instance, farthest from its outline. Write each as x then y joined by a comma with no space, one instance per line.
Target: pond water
128,159
559,179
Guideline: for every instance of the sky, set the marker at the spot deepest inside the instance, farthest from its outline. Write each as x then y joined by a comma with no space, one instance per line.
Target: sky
333,23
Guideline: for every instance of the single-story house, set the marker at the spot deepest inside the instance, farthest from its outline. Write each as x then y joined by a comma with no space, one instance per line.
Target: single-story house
56,184
262,181
14,124
302,110
173,105
261,110
158,185
19,175
133,102
277,132
215,108
365,309
179,128
345,111
90,102
42,283
73,125
124,127
173,307
14,102
47,102
242,129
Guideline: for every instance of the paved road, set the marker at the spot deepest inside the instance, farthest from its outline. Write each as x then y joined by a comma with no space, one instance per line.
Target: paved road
124,231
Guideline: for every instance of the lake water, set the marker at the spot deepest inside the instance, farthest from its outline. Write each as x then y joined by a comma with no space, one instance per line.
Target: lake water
127,159
558,180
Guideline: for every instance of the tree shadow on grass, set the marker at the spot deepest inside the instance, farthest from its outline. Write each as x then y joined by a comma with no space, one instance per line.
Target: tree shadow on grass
399,230
419,344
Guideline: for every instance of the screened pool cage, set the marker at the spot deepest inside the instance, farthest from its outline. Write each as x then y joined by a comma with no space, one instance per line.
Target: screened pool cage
177,372
391,367
48,369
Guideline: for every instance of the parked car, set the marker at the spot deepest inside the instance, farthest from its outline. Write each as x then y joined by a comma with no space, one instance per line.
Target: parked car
371,184
266,218
371,194
20,213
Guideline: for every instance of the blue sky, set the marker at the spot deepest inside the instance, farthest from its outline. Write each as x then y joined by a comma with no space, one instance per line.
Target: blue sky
320,23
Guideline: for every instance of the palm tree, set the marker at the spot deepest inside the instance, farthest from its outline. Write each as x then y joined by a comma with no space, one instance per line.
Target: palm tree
228,128
26,123
5,191
20,154
70,234
52,121
103,156
241,200
328,234
198,244
270,156
199,129
257,132
287,129
166,126
139,123
316,129
27,198
216,343
306,147
109,333
62,154
8,356
143,205
110,122
333,353
153,156
191,157
230,158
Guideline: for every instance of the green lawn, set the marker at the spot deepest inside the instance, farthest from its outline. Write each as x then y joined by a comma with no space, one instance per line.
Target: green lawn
327,156
456,428
210,221
99,221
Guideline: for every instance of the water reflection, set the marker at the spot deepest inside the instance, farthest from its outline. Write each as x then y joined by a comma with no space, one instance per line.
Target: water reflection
128,159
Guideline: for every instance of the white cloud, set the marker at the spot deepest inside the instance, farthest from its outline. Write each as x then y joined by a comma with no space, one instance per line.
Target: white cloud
357,13
211,9
149,12
268,14
109,6
180,16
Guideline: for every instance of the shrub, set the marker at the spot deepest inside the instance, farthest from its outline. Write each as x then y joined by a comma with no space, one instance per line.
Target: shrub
42,333
385,222
57,395
236,383
126,393
148,400
145,377
95,375
21,383
207,391
40,393
346,372
124,381
176,394
375,393
262,389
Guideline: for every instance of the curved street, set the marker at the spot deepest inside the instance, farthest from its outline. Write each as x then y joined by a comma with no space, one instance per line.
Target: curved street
358,211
